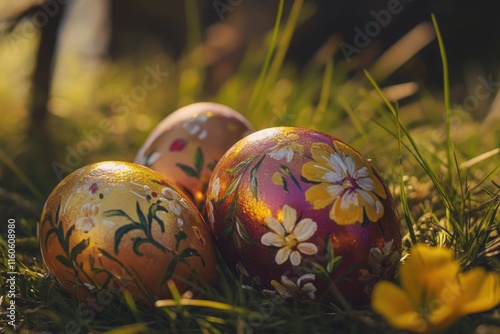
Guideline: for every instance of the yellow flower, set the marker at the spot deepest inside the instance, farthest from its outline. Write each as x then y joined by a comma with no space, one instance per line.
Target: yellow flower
434,293
346,181
286,148
289,238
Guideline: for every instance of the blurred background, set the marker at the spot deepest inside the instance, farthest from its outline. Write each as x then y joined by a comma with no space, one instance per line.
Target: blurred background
86,80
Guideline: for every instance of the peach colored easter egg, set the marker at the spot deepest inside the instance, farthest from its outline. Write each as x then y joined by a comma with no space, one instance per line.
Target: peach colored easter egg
112,226
187,144
293,210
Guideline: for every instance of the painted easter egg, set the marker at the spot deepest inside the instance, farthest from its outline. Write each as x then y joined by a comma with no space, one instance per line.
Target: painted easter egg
187,144
299,213
112,226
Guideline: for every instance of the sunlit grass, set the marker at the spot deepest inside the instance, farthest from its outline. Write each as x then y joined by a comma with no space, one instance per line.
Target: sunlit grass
444,176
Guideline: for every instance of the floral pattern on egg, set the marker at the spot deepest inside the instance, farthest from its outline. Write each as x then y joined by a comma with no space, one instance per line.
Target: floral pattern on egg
117,225
187,144
299,209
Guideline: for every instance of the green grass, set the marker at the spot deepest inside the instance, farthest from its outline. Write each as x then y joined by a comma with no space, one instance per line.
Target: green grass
448,191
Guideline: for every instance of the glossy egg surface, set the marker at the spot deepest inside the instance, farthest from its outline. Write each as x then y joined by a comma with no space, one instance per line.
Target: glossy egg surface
293,210
117,225
188,143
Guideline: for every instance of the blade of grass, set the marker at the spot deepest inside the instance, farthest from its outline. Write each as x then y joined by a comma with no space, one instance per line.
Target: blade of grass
485,178
284,42
256,95
446,95
326,88
402,189
279,57
403,50
352,115
20,174
469,163
192,77
420,158
200,303
129,300
193,24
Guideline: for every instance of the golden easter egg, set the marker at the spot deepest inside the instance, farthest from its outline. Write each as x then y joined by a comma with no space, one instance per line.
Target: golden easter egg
115,226
299,213
187,144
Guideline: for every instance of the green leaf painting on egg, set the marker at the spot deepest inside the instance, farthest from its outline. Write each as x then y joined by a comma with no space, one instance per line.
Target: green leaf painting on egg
198,162
144,224
234,227
70,254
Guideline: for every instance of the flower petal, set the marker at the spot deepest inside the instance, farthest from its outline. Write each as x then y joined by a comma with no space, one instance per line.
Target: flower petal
426,271
395,306
289,154
315,171
349,199
305,277
348,216
307,248
333,177
337,163
375,259
169,193
203,134
214,192
176,146
378,188
277,179
321,151
305,229
365,183
295,258
480,291
367,198
175,207
282,255
288,283
335,190
309,289
349,164
275,225
272,239
388,247
289,218
278,153
346,150
373,207
360,173
85,209
318,196
283,291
